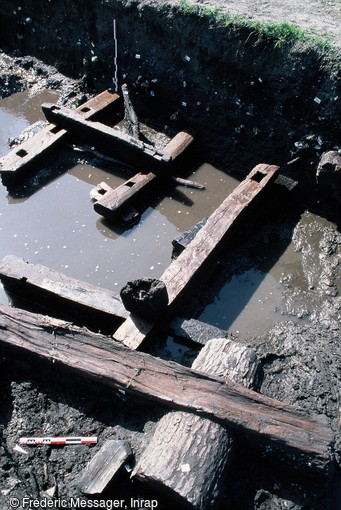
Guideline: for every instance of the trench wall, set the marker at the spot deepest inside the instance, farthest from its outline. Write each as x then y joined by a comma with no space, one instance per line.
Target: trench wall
246,97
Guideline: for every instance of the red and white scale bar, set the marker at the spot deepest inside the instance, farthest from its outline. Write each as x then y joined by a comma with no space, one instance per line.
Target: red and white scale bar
58,440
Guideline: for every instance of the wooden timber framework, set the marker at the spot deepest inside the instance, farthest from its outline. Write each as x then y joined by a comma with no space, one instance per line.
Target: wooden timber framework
291,434
297,436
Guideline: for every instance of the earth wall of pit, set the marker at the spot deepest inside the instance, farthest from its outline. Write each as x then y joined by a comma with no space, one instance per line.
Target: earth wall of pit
246,98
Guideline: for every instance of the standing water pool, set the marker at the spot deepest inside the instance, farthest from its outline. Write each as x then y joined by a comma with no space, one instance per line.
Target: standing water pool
56,225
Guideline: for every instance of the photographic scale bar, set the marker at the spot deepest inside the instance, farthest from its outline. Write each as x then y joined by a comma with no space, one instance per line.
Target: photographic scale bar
57,440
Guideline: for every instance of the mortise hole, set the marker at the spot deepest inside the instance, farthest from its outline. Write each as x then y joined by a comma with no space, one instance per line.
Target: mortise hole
55,129
85,109
258,176
130,184
22,153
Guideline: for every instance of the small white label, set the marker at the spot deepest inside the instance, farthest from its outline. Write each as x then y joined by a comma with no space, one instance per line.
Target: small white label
185,468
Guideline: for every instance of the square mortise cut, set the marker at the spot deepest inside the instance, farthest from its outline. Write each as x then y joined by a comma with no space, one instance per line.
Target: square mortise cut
55,129
130,184
85,109
258,176
21,153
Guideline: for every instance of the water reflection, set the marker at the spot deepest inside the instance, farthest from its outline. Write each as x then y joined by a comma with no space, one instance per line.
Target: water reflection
58,227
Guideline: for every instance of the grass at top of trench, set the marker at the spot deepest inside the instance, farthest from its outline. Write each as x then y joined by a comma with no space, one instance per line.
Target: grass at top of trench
281,33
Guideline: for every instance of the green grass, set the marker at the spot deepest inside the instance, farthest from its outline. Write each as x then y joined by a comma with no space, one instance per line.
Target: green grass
281,34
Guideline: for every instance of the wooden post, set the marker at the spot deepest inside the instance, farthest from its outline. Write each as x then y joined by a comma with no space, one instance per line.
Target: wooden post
131,123
187,458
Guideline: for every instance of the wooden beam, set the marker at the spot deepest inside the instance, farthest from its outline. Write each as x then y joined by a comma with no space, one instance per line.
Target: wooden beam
110,202
72,298
113,200
29,153
177,146
109,139
219,228
279,429
103,466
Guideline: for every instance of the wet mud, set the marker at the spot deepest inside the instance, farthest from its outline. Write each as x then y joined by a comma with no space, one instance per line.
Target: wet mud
278,289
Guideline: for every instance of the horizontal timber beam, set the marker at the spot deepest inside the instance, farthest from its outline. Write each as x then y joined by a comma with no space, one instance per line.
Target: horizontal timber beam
110,140
72,298
32,151
109,202
220,227
280,429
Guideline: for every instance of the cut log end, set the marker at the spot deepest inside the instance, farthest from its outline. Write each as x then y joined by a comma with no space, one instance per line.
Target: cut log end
188,456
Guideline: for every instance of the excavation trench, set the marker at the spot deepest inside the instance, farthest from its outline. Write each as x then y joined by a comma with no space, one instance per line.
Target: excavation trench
247,101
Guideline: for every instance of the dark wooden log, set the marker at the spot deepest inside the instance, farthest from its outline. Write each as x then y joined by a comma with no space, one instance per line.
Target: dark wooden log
76,300
219,228
103,466
112,202
196,331
293,435
145,296
188,456
110,140
31,152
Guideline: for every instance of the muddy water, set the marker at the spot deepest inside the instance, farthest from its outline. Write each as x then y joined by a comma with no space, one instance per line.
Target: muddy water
57,227
252,300
19,111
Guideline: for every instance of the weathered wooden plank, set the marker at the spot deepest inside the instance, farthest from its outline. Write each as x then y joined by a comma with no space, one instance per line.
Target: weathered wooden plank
110,140
99,105
33,150
114,200
219,227
74,299
103,466
279,429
